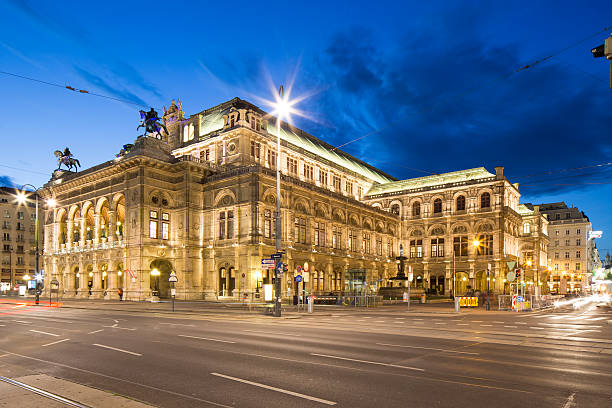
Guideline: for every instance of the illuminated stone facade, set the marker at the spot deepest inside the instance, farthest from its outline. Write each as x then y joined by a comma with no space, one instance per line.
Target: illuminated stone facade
201,203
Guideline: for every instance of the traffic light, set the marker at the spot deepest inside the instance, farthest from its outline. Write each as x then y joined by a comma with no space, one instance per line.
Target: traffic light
518,273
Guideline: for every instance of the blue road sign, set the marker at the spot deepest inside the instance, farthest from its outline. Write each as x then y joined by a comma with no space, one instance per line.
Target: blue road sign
280,268
298,278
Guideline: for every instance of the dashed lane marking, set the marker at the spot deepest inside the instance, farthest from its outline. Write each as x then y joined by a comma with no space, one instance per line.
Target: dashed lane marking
274,333
55,342
368,362
207,338
511,327
428,348
42,332
118,349
269,387
96,331
486,325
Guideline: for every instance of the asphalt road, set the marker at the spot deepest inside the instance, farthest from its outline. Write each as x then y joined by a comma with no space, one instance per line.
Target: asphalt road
386,358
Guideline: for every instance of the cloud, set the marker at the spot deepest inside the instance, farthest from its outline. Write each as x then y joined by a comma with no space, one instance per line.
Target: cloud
441,102
113,90
7,181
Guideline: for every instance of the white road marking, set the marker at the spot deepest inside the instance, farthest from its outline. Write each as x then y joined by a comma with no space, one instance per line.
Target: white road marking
512,327
116,349
439,323
428,348
21,321
268,387
179,324
570,401
476,321
368,362
520,323
462,324
55,342
115,327
498,322
42,332
96,331
1,325
536,328
4,355
206,338
486,325
575,326
417,319
596,318
399,318
280,334
380,321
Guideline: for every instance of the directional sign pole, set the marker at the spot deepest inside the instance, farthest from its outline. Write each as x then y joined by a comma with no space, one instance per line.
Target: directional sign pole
172,279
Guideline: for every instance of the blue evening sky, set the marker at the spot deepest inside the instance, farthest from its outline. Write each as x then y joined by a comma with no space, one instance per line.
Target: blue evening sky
433,84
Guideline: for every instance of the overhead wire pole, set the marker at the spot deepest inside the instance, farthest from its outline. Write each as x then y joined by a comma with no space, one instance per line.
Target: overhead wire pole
277,272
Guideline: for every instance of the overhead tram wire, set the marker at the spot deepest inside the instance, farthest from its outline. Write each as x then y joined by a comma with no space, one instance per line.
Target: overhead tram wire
70,88
506,76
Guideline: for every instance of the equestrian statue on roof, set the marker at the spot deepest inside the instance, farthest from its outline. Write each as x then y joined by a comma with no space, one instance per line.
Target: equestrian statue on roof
66,159
150,122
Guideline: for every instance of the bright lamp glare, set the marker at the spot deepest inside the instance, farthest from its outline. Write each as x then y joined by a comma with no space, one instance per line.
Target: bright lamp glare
38,277
51,202
476,243
21,198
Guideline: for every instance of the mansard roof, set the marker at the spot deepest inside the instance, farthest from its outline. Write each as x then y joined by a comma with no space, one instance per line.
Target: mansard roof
211,120
444,179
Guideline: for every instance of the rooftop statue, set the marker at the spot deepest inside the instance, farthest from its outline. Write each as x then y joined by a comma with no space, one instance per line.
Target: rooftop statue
66,159
150,122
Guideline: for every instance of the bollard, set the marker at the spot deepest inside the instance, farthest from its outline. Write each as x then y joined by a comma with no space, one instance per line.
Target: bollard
457,309
310,304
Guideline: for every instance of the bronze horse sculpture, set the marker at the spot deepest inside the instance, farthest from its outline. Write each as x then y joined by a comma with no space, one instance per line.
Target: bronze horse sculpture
66,159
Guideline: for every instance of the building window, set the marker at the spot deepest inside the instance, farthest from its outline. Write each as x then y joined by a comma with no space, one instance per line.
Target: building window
319,233
226,224
556,255
308,172
416,248
567,255
437,206
485,200
360,192
578,232
557,216
267,223
271,159
205,155
352,240
379,246
20,215
567,242
461,203
578,242
567,266
336,237
416,209
165,230
395,209
7,214
556,242
7,236
567,232
577,254
188,132
486,245
337,183
349,187
323,177
255,150
437,247
577,266
526,228
152,229
557,232
460,246
292,166
299,232
390,252
366,243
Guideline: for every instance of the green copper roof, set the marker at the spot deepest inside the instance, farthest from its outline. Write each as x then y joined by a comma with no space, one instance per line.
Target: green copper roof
211,120
524,210
429,181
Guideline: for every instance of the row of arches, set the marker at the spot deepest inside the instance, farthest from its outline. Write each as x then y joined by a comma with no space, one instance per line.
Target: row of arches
91,222
437,205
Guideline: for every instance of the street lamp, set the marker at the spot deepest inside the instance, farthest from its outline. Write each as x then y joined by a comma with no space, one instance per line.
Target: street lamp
155,273
22,199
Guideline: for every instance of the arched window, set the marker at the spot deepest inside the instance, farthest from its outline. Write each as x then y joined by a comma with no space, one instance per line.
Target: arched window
485,200
461,203
395,209
526,228
416,209
437,206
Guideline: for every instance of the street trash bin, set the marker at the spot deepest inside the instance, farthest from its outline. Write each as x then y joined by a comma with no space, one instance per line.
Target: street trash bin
423,298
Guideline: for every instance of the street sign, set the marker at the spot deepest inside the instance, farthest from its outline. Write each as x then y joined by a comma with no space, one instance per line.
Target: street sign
298,269
595,234
306,266
511,265
511,276
298,278
276,256
280,268
173,278
267,263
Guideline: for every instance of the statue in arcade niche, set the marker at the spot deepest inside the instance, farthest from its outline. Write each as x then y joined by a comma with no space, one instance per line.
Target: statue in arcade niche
66,159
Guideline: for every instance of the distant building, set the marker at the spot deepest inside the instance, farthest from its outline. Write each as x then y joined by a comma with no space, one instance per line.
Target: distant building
572,255
18,237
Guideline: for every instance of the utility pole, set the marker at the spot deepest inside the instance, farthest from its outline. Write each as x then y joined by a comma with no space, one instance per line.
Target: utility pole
605,50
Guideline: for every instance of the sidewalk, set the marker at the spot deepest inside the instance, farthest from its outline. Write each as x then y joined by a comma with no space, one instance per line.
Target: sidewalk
246,310
13,393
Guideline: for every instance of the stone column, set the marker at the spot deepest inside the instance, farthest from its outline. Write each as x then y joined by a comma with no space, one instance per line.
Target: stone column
83,231
112,227
69,232
96,229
